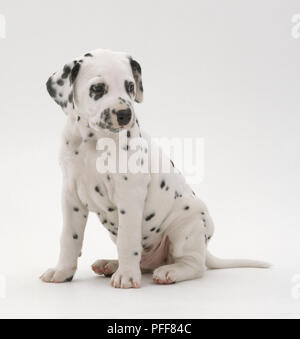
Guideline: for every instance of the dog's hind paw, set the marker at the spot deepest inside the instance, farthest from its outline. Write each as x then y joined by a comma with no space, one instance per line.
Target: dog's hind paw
58,276
105,267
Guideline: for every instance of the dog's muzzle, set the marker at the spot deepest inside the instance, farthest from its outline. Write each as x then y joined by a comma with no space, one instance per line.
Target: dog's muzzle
124,116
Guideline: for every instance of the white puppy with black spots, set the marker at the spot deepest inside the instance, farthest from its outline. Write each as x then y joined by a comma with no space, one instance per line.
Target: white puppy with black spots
155,219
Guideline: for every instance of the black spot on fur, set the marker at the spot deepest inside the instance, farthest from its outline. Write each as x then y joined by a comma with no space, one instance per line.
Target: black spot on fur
141,86
187,208
97,189
128,134
111,209
69,279
153,229
162,184
76,152
76,209
60,82
66,72
125,178
177,195
104,221
75,236
158,230
74,73
78,118
136,254
91,135
149,217
122,212
172,163
135,66
145,238
108,177
70,98
50,88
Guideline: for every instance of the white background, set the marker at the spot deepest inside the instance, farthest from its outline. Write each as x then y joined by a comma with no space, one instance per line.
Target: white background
227,71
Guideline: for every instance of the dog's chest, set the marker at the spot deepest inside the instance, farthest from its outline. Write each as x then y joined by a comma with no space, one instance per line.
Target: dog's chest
98,191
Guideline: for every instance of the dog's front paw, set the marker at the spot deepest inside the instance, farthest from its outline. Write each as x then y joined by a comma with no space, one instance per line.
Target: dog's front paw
58,276
126,278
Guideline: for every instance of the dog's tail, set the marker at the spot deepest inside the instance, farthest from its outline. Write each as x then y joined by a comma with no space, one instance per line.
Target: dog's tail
213,263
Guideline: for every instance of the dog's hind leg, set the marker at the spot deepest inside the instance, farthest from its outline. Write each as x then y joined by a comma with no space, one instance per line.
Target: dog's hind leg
187,254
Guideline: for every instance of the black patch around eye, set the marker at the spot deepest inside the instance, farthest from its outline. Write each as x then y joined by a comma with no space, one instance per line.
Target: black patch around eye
129,86
88,55
97,91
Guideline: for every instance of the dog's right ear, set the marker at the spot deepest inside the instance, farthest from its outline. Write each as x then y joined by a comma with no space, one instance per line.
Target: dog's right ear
60,86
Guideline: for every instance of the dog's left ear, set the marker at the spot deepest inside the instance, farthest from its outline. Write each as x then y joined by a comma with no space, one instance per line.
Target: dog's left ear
60,86
137,74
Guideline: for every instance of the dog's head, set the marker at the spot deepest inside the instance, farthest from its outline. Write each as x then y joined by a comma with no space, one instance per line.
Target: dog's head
101,87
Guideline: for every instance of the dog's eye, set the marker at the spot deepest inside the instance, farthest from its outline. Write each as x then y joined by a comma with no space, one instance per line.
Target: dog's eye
98,90
129,87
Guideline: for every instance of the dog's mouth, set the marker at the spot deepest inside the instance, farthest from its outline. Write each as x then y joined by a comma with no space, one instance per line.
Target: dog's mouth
100,126
113,121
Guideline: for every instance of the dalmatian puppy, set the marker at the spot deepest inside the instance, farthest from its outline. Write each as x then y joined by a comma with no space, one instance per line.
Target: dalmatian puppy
154,217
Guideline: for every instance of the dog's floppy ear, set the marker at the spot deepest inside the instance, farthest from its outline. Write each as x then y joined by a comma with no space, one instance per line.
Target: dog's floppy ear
137,74
60,86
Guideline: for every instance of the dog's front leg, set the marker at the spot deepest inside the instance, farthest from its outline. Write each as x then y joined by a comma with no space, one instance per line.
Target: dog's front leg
130,210
74,222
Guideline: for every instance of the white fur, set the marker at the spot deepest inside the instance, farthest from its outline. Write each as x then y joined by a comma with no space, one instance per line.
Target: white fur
142,194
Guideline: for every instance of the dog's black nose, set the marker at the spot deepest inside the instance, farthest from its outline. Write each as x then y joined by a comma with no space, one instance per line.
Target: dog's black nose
124,116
